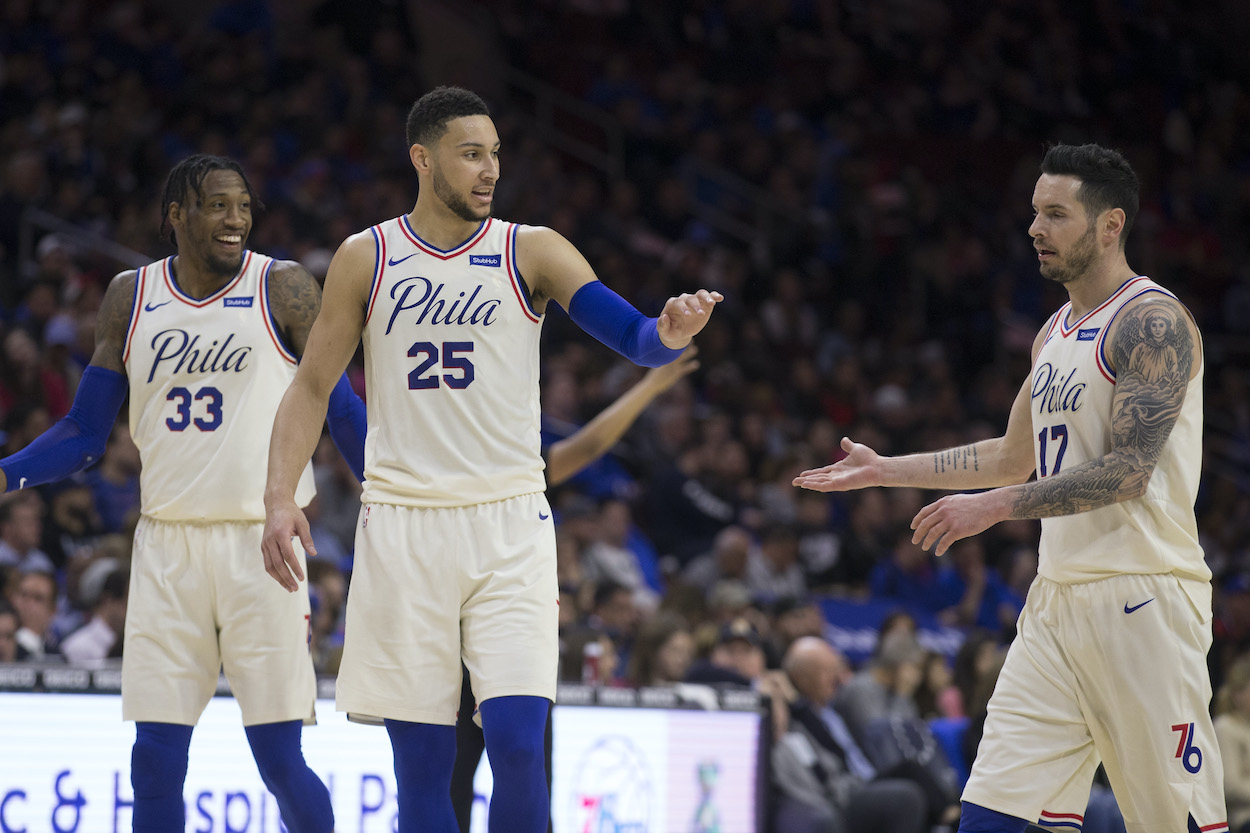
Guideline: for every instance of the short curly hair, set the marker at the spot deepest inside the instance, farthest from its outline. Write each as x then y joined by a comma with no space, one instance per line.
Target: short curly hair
427,120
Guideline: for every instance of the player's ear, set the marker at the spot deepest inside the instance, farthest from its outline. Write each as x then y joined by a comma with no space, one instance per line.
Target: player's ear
1113,223
176,217
421,158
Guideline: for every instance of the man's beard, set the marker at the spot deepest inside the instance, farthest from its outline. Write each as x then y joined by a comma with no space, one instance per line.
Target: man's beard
455,202
1077,262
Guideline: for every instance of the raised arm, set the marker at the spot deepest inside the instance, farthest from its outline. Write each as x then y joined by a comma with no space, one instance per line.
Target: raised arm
1151,378
77,440
556,270
570,455
297,426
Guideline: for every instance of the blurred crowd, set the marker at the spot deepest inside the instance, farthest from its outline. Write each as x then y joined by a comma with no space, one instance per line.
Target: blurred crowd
854,176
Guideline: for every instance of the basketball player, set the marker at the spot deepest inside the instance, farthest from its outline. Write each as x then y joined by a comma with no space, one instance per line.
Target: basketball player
455,552
1109,661
206,341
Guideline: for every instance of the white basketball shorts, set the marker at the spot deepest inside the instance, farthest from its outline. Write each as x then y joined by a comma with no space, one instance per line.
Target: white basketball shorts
1115,671
200,602
432,586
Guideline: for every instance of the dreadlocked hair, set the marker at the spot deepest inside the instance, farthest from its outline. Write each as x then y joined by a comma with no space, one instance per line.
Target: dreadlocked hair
187,177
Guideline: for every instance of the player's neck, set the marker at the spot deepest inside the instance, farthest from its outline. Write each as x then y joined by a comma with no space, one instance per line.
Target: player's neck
1097,285
196,279
437,225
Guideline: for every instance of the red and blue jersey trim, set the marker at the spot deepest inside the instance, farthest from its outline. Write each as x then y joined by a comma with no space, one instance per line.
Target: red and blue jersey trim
443,254
271,326
1061,821
1065,330
1218,827
379,247
140,283
514,275
1100,347
167,271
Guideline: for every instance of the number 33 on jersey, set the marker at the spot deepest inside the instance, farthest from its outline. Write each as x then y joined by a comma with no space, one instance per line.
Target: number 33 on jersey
204,374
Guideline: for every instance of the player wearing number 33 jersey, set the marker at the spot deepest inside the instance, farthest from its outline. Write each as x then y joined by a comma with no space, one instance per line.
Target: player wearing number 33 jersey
204,374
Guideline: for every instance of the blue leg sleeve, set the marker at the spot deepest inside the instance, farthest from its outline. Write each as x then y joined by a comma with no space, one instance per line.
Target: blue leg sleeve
614,321
977,819
514,729
75,441
346,418
424,754
302,799
158,768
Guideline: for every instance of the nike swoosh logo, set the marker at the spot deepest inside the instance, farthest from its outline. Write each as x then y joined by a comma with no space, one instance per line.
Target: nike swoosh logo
150,307
394,262
1128,609
543,517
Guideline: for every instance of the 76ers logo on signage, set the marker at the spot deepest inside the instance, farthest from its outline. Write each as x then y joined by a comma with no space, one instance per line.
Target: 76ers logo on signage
1190,755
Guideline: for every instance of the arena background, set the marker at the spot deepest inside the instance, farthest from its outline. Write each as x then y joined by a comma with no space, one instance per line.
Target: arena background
853,175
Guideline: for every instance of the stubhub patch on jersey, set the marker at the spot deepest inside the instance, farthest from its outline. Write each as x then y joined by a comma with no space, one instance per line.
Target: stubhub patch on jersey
484,260
238,302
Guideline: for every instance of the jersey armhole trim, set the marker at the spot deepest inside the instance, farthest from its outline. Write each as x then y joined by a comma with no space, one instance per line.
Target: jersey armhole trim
379,255
271,325
519,286
140,280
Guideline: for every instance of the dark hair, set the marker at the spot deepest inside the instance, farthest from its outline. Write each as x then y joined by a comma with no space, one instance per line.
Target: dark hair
188,177
1107,179
427,120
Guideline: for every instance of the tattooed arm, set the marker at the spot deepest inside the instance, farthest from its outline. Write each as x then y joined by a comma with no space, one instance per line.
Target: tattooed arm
1155,350
294,300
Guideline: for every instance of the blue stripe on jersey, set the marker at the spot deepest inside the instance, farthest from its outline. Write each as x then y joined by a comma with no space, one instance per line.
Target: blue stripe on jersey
379,249
443,254
516,270
271,323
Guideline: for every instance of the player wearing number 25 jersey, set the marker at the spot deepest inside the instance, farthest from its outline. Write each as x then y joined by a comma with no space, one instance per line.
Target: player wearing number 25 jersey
455,551
453,331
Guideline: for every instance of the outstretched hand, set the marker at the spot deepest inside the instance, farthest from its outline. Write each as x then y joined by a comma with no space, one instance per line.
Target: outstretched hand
666,375
684,316
859,469
282,524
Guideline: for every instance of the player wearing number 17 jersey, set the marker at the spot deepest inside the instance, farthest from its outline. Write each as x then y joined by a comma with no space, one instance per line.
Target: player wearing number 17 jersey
455,551
1109,662
206,341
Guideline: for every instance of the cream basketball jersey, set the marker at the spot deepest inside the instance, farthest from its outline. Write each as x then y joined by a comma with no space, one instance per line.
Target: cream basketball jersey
1072,388
451,370
206,376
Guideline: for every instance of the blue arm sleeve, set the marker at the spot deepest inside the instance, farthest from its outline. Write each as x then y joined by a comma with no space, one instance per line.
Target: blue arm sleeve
346,418
75,441
613,320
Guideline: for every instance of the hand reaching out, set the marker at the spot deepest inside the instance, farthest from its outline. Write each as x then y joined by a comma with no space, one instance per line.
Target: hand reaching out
859,469
666,375
684,316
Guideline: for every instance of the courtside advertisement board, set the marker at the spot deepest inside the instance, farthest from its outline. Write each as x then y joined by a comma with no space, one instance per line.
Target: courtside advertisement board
65,768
